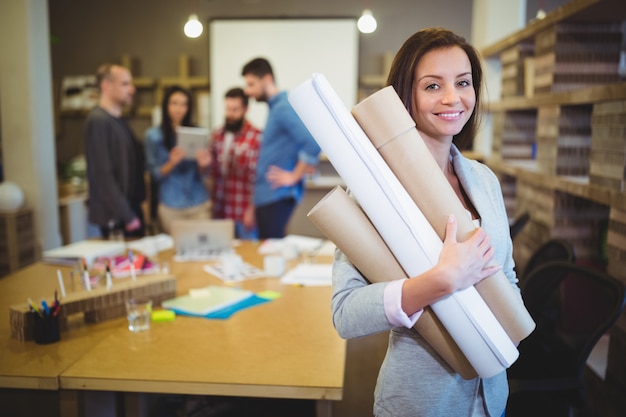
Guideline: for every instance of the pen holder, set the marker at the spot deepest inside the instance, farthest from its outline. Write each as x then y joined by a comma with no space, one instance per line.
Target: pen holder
46,329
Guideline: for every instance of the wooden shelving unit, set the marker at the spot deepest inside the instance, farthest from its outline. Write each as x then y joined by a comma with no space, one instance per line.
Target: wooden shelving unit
578,186
155,86
588,95
571,120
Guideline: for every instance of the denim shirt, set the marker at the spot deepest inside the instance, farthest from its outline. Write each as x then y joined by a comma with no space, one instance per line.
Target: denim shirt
183,187
285,142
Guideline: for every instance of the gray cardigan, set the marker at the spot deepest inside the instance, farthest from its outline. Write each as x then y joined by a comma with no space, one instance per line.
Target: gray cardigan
414,381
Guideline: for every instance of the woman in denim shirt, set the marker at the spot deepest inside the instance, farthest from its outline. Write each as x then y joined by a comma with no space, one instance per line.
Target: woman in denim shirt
181,182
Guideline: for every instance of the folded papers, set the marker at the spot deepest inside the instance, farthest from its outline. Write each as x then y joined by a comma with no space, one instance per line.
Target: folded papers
213,302
400,223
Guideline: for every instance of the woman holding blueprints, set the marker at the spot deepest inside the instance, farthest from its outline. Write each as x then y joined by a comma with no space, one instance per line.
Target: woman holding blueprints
438,77
180,177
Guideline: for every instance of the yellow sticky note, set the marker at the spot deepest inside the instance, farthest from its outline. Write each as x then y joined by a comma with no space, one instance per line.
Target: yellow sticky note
270,295
163,315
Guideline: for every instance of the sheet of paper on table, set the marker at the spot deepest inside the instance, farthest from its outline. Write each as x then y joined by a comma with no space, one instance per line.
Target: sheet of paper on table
309,275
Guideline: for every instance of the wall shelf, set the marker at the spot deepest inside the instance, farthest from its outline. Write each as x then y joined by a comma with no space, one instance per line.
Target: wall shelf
574,11
563,113
576,186
587,95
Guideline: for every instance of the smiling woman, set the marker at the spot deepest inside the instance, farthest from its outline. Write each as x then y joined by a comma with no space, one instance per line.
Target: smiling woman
438,77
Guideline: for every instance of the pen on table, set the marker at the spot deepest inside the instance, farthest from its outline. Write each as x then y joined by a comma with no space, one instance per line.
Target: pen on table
56,310
57,305
86,276
73,273
108,275
45,308
133,274
32,306
61,285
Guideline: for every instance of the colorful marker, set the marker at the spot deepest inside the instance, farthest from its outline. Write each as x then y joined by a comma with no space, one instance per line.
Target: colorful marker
133,274
61,284
108,275
86,276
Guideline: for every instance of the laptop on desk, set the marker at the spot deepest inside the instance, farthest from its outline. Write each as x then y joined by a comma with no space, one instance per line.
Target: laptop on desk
200,240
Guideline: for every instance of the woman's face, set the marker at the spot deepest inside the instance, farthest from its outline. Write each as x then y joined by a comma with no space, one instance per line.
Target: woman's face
177,107
443,93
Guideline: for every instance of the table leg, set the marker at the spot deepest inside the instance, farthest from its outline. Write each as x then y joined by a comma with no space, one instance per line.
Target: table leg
324,408
71,403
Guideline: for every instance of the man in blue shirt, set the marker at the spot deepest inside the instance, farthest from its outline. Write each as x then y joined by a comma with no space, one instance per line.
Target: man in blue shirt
288,152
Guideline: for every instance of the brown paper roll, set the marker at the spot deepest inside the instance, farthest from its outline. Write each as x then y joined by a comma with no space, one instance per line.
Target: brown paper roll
390,127
344,223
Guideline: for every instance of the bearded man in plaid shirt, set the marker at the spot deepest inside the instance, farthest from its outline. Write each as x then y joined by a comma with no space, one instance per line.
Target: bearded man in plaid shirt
234,149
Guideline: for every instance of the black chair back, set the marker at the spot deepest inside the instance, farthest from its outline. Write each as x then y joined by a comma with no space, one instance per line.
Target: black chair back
573,306
552,250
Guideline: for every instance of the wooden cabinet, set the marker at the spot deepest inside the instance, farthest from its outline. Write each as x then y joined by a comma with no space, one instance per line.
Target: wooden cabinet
559,145
17,241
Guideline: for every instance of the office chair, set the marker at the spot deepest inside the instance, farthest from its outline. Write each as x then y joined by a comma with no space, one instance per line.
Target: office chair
552,250
573,306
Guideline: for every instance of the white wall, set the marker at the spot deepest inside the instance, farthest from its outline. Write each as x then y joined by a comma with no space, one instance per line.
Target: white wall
28,150
296,48
493,20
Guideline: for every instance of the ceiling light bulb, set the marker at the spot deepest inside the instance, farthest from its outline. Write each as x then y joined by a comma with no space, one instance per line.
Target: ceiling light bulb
193,27
366,23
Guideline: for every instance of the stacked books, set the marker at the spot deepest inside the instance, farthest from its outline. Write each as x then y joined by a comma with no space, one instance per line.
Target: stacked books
570,56
559,215
564,140
608,145
616,244
514,134
513,62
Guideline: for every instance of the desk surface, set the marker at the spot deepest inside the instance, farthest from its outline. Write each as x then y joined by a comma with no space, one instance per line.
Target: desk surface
26,364
286,348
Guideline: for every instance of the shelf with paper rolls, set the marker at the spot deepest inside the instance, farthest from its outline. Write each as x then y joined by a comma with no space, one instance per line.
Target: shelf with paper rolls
558,128
559,145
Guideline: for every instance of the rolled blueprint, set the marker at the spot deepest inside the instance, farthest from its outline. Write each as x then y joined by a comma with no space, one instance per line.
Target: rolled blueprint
344,223
401,224
390,127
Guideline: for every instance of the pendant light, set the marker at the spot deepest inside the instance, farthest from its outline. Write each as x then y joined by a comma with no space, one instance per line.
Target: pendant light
366,23
193,28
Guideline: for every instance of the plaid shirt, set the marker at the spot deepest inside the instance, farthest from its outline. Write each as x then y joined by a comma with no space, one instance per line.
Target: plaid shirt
233,190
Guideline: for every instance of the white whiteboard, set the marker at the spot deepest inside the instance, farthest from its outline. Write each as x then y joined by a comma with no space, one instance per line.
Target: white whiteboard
296,48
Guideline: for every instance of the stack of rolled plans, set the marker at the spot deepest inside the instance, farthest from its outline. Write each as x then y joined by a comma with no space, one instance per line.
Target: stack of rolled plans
474,331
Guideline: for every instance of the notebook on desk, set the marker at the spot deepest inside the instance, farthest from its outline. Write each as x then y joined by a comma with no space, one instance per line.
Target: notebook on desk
88,250
200,240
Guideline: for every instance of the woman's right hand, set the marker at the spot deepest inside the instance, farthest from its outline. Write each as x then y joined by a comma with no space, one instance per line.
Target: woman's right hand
462,264
177,154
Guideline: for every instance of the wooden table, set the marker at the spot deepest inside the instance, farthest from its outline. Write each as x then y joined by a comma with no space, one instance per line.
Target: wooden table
286,348
26,364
